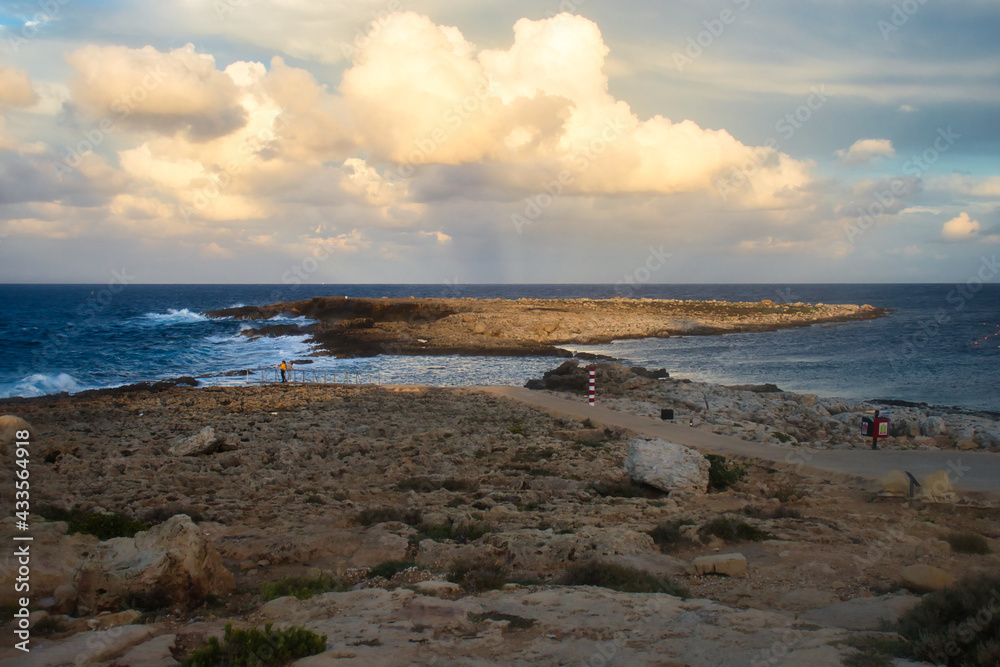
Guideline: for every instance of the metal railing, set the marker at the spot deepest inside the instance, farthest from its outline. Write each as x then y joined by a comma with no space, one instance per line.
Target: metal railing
272,374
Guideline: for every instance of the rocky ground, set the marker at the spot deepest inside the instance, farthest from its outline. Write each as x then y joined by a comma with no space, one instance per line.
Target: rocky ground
764,413
329,481
350,327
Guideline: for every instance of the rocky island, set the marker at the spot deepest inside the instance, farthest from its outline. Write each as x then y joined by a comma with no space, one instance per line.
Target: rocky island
353,327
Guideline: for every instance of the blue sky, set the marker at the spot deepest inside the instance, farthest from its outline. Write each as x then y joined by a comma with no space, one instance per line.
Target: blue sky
430,141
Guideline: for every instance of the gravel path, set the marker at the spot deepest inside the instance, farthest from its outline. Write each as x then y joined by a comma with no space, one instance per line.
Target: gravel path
967,471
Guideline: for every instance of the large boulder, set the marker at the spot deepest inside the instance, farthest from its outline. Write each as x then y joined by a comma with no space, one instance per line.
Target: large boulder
9,428
731,565
543,550
172,562
205,442
666,466
922,578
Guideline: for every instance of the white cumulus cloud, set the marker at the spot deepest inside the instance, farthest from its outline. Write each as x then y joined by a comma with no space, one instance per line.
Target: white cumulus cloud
866,150
961,228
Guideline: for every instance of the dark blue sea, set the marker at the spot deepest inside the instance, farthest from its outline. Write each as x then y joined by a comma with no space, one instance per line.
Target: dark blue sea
942,346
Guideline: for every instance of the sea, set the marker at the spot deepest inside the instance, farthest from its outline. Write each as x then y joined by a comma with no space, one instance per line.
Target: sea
941,346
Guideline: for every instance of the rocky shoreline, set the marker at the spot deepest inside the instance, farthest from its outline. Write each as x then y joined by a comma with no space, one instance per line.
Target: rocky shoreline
453,488
358,327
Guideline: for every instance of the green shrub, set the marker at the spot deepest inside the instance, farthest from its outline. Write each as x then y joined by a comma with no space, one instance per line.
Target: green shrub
969,543
732,530
374,515
619,578
254,647
462,533
301,587
478,574
782,437
390,568
102,526
516,429
722,474
957,625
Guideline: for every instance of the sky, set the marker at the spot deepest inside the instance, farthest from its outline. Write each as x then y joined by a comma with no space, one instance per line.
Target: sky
450,142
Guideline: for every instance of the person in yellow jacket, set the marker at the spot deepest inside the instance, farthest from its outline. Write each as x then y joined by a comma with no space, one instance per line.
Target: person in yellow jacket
283,367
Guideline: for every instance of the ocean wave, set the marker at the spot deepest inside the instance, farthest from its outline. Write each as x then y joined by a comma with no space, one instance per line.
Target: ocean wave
174,316
41,384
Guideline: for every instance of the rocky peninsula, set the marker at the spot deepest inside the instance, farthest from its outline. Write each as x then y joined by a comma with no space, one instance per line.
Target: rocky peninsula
353,327
415,525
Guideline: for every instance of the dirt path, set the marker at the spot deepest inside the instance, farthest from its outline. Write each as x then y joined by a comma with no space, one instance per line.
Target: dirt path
968,471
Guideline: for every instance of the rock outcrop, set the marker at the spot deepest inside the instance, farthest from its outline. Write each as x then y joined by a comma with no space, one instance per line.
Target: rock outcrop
172,562
666,466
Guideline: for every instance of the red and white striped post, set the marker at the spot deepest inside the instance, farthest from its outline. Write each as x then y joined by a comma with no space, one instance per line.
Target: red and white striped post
593,385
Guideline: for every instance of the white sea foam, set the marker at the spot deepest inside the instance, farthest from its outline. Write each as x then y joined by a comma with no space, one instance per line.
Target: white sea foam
40,384
174,316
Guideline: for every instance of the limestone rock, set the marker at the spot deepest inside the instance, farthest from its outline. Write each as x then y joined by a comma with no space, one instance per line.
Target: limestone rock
107,621
441,589
896,483
731,565
154,653
173,560
85,648
9,426
937,487
922,578
666,466
205,442
536,550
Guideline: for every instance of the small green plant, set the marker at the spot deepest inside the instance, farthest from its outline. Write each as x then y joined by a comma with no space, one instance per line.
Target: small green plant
463,532
255,647
102,526
957,625
478,574
390,568
514,622
782,437
375,515
301,587
723,474
516,429
619,578
733,530
969,543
